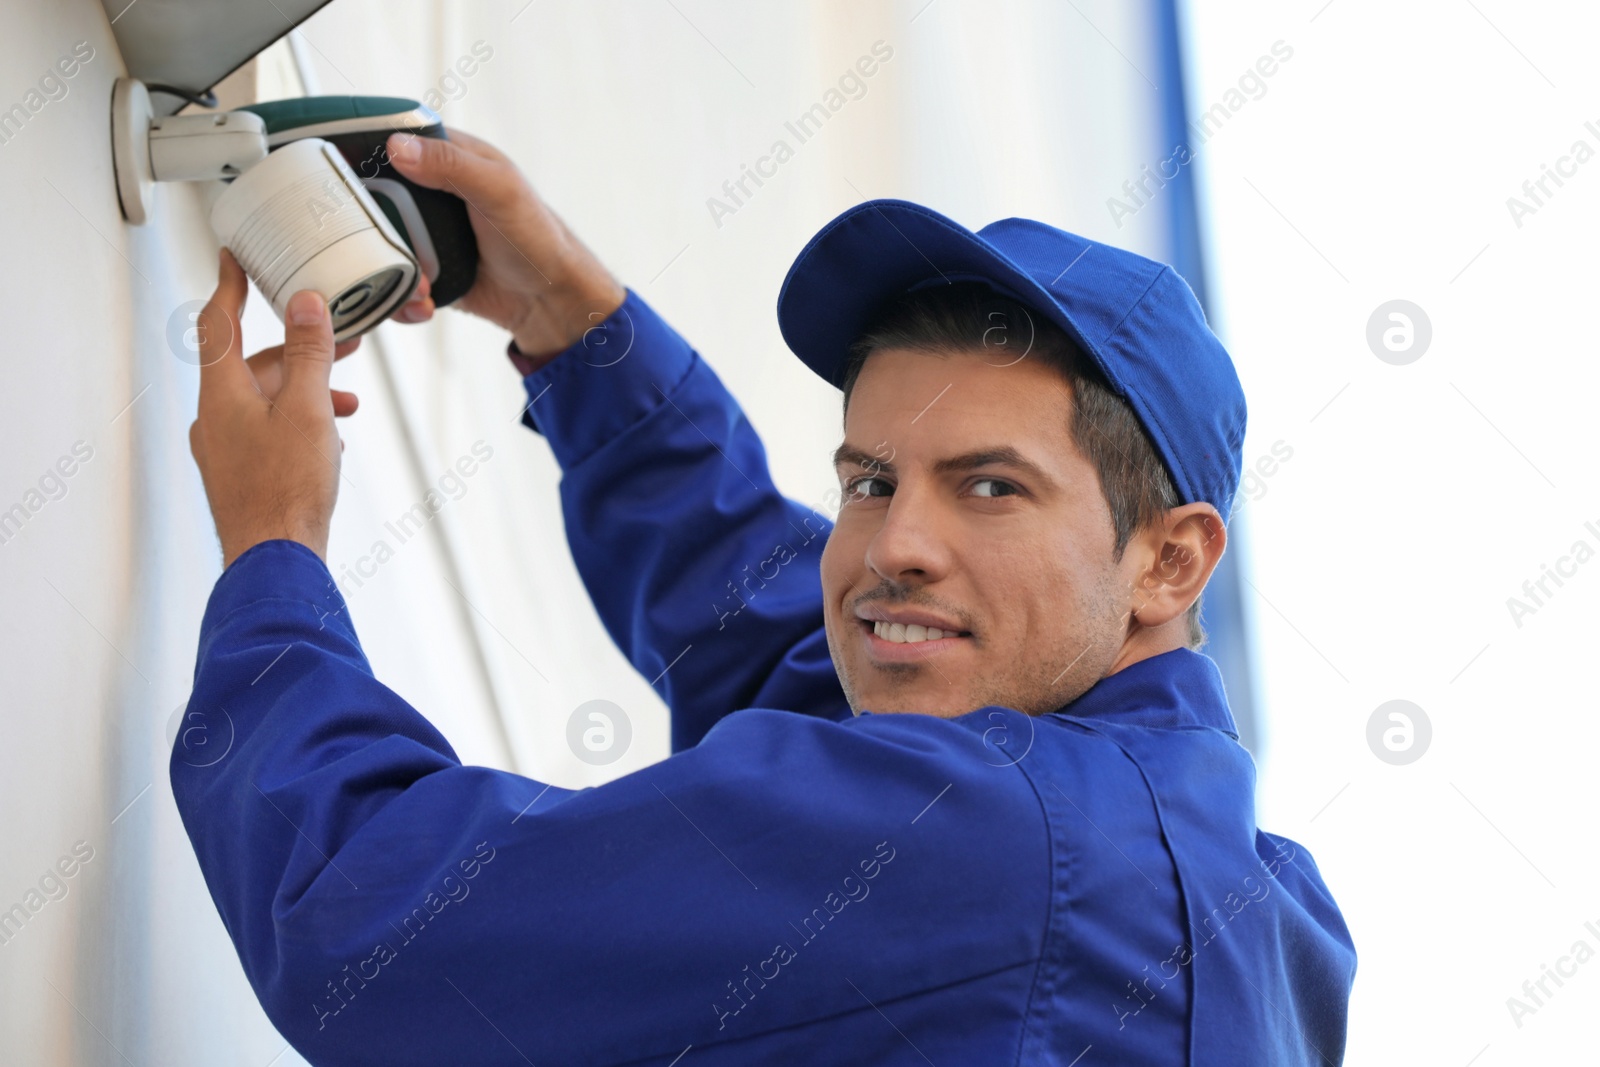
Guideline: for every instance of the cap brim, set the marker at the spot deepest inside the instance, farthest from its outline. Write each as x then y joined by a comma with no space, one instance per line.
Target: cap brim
876,251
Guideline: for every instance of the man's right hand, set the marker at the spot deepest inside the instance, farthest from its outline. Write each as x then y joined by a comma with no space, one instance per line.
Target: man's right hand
535,278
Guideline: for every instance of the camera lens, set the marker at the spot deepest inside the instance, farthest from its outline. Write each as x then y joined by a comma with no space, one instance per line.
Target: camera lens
351,300
364,296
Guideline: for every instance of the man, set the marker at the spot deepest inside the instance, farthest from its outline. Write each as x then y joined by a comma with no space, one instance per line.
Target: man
950,782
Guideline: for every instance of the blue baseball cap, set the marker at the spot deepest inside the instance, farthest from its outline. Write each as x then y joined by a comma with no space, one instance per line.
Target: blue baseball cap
1136,318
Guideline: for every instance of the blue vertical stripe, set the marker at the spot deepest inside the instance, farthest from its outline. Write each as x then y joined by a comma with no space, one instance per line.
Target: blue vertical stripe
1223,611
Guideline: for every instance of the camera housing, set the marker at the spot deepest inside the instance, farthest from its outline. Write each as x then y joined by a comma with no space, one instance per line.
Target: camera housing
434,223
300,219
335,216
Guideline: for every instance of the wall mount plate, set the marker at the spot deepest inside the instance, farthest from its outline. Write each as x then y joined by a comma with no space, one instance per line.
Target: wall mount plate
130,148
205,146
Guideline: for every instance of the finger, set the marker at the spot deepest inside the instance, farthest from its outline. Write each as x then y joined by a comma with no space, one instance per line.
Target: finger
419,306
307,350
267,367
344,403
223,372
437,164
476,145
415,312
265,358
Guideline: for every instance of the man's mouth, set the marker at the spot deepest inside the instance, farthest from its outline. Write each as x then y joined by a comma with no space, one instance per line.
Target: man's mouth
909,634
900,634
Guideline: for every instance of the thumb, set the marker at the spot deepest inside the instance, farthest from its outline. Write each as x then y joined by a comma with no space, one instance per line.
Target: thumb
307,349
440,164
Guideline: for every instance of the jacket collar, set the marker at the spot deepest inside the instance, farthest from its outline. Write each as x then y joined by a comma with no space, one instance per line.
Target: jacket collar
1174,689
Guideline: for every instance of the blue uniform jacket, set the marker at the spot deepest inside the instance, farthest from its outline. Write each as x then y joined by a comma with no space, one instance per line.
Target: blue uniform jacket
794,885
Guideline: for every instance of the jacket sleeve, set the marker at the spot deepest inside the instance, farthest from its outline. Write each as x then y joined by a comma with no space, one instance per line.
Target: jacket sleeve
702,572
391,906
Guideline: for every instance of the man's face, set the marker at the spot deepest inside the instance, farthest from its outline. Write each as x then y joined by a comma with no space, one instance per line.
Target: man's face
968,508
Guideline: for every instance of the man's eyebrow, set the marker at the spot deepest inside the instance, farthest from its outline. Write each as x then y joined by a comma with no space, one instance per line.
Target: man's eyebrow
849,453
996,455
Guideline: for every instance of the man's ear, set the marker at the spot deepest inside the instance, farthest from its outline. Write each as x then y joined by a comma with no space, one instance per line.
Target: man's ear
1182,549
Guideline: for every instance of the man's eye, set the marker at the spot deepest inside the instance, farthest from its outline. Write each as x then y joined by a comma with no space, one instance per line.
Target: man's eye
996,488
855,488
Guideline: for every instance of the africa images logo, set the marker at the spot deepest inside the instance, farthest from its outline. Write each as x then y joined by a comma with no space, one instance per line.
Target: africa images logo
853,888
53,85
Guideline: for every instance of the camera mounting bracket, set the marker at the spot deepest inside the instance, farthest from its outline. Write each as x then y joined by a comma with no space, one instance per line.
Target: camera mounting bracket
146,149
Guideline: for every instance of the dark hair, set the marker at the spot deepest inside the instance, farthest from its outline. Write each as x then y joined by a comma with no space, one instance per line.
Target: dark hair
963,316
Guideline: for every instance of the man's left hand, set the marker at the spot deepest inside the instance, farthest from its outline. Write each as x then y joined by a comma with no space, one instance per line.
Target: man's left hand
265,439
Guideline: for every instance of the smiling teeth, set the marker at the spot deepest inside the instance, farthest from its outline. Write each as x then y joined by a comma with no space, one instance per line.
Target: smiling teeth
901,634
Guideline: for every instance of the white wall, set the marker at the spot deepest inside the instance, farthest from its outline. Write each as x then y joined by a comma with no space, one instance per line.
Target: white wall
102,590
1377,166
628,116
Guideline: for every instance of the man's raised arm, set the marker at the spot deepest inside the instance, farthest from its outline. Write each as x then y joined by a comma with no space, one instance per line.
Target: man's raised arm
702,572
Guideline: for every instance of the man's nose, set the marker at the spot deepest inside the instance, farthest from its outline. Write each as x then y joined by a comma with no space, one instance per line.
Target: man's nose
912,543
